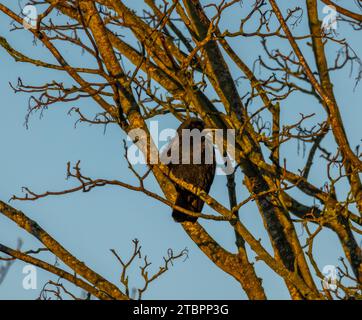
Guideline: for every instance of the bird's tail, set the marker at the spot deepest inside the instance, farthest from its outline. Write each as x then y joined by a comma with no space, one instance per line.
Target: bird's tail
187,201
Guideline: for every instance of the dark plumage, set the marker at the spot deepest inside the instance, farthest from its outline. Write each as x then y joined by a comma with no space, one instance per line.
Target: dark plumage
199,174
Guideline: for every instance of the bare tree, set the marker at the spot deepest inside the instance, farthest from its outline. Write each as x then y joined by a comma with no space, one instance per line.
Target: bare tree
181,58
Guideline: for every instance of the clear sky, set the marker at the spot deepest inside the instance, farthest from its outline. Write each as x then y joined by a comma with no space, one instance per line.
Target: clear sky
90,224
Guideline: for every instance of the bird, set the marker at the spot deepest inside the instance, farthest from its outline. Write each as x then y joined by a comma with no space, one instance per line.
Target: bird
198,171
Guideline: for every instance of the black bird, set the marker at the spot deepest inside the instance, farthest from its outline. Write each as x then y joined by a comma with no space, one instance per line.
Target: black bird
199,172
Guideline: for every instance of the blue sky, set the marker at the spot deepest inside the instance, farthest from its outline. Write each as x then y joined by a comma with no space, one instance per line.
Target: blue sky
90,224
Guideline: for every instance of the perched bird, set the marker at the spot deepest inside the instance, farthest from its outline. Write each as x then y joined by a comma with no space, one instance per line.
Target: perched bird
194,163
